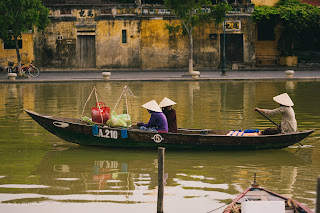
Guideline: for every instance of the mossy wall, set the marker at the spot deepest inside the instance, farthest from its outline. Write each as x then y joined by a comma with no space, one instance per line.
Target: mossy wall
148,43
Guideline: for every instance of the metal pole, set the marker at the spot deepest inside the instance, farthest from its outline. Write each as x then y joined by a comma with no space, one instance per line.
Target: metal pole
318,196
160,179
223,73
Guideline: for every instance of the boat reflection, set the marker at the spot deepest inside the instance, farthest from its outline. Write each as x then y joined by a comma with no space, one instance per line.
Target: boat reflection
115,173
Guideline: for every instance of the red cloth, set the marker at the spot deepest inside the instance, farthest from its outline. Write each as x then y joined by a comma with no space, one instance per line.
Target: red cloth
172,120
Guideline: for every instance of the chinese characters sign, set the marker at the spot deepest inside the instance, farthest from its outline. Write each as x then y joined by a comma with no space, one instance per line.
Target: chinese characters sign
232,25
86,13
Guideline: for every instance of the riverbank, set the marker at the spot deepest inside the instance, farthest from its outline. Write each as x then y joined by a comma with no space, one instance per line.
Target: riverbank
76,75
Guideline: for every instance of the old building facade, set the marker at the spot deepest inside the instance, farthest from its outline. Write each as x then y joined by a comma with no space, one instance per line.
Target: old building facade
97,35
113,35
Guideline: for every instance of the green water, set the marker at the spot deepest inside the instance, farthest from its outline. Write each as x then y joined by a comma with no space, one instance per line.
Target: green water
42,173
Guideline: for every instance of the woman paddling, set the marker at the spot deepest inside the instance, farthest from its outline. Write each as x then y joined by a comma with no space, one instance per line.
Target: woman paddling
288,122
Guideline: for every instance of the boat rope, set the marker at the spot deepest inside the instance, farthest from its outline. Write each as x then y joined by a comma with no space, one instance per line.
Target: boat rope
218,208
96,93
85,104
125,92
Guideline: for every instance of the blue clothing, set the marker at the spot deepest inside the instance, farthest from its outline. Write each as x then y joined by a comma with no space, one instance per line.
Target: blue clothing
251,130
148,129
158,120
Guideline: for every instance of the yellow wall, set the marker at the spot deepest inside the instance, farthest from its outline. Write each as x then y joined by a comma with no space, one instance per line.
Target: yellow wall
158,48
149,44
109,47
26,52
264,2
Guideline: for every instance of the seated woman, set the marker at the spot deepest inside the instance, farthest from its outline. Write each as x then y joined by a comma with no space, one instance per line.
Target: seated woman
158,121
170,113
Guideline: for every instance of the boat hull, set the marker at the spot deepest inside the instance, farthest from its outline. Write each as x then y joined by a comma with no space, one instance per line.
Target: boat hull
256,195
76,131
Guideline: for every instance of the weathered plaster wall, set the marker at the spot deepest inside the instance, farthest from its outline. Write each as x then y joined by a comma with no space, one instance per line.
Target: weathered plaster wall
206,49
149,44
159,49
27,54
154,44
177,47
111,52
56,47
264,2
249,37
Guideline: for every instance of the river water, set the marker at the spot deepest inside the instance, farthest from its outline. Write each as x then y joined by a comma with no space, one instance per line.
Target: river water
42,173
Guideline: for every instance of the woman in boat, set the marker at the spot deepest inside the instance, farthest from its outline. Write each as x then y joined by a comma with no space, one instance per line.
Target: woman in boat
166,105
158,121
288,122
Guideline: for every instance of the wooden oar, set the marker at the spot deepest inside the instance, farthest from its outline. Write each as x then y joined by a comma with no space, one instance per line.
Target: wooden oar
273,122
269,119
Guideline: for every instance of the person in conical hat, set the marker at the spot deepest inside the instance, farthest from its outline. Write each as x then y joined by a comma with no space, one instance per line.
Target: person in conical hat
152,106
170,113
158,121
288,122
283,99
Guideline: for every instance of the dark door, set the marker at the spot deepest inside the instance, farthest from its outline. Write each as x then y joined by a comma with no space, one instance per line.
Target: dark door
87,51
234,47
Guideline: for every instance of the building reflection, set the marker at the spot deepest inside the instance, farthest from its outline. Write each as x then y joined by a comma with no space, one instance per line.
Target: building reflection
225,105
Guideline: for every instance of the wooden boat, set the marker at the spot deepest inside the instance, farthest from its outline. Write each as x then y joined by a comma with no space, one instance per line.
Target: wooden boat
80,132
256,199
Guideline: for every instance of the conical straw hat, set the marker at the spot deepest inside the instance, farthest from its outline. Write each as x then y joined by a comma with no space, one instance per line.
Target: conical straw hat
166,102
283,99
152,105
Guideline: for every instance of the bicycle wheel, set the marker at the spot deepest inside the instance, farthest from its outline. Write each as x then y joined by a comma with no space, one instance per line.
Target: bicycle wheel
9,70
34,72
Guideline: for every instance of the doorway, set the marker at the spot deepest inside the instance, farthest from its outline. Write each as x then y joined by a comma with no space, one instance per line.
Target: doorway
86,51
234,48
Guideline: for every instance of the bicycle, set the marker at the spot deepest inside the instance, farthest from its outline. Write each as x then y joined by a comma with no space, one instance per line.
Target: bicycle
31,69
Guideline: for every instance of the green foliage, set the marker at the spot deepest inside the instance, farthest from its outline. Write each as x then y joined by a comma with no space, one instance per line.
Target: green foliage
218,11
173,28
295,17
262,13
194,12
18,16
288,3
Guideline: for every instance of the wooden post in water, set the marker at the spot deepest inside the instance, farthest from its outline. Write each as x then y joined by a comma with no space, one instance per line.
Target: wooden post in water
318,196
160,179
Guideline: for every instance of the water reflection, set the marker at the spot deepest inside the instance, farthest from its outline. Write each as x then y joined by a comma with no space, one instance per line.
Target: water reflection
114,172
290,86
37,167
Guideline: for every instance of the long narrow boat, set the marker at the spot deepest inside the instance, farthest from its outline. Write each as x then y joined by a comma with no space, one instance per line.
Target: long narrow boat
83,133
256,199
